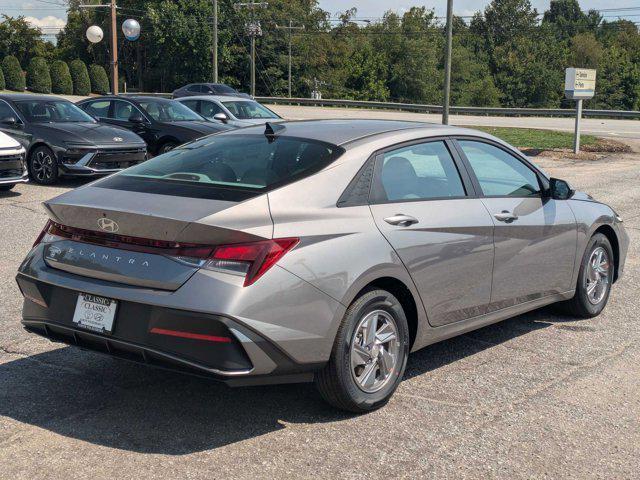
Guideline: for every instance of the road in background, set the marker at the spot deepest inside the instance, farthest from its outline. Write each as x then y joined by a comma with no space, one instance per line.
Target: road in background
537,396
622,129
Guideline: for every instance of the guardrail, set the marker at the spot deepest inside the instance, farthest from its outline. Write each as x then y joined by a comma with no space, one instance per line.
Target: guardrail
422,108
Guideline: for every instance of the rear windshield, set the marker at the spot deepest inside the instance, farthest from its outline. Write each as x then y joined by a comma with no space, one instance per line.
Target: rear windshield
230,167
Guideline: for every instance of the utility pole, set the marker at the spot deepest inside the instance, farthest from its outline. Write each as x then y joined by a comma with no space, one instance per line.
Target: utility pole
447,64
290,28
114,42
215,41
253,30
114,49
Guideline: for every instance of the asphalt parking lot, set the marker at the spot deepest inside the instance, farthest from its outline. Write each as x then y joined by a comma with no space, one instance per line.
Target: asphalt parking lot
538,396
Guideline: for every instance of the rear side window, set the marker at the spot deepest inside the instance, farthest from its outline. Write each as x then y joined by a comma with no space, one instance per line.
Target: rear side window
219,165
418,172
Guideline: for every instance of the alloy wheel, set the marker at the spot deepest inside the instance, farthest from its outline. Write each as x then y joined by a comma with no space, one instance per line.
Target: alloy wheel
375,349
42,166
597,275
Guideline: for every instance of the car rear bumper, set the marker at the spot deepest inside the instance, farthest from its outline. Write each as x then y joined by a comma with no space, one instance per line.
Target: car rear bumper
197,343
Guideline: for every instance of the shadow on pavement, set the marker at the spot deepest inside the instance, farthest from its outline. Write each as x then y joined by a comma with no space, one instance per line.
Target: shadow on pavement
111,402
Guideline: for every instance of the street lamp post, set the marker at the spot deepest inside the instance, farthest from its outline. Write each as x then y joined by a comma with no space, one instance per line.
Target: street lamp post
447,64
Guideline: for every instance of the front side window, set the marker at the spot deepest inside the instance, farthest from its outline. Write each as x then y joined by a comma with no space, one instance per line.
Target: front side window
6,111
420,171
498,172
209,109
99,109
245,110
168,111
216,166
48,111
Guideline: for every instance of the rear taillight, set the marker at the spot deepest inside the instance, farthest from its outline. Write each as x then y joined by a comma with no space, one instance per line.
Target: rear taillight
41,235
250,259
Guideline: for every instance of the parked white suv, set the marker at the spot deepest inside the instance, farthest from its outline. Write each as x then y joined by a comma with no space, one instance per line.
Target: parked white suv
13,168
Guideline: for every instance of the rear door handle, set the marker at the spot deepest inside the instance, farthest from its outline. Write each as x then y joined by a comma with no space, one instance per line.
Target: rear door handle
505,216
401,220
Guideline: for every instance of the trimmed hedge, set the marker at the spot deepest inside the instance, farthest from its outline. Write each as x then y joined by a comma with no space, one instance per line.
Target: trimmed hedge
80,78
38,77
13,76
99,79
2,84
61,82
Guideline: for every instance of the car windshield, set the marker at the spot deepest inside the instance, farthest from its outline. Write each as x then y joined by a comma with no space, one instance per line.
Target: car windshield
168,111
47,111
246,110
236,162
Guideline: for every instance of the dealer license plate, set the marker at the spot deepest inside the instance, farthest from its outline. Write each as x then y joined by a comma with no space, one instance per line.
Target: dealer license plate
95,313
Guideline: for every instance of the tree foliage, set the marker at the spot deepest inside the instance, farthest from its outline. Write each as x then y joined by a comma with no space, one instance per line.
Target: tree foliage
61,82
13,75
99,79
38,77
507,54
80,77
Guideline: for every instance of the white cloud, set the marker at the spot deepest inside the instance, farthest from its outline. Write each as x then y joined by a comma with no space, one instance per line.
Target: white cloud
48,24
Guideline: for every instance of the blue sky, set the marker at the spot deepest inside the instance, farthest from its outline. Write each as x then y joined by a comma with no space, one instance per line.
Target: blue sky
50,14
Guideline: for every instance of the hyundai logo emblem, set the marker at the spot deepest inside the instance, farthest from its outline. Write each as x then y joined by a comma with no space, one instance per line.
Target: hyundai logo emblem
117,139
108,225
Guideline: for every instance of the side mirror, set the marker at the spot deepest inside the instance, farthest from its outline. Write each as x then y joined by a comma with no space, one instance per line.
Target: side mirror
135,118
8,121
222,117
560,189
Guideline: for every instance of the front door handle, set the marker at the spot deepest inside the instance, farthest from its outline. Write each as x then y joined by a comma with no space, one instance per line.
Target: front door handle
401,220
505,216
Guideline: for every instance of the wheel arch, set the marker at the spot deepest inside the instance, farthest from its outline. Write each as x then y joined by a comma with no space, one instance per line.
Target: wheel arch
405,296
39,143
164,140
609,232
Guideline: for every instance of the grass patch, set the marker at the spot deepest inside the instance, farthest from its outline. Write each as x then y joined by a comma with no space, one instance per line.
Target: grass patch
537,139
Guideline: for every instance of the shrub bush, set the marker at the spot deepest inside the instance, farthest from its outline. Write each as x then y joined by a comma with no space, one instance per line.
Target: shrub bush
80,78
13,75
99,79
61,82
38,77
2,84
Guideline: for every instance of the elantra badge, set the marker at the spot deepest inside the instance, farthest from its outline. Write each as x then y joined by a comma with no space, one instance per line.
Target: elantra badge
108,225
117,139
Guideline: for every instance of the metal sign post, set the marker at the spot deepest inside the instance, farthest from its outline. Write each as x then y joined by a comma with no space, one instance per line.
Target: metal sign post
579,84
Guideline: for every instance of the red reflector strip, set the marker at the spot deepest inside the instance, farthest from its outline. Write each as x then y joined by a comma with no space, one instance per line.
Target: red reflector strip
195,336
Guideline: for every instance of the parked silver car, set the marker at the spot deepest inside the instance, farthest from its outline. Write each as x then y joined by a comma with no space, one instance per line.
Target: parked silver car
234,111
318,251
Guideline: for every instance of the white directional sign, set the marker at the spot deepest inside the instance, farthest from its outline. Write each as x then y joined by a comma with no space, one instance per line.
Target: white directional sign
579,83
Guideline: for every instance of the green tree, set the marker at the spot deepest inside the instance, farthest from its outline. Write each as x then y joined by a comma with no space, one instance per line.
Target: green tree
80,78
586,51
61,82
13,74
566,18
20,39
2,82
99,79
38,77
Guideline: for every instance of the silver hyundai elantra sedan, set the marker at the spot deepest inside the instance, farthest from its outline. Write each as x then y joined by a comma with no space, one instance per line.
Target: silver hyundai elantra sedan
320,251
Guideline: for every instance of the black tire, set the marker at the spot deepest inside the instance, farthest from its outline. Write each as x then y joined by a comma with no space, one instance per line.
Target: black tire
166,147
6,188
43,166
336,382
580,305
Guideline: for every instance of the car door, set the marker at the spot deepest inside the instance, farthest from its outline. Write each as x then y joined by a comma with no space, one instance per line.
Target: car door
15,129
426,207
535,235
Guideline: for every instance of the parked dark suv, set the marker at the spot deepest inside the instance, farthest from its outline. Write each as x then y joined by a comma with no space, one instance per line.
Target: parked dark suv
61,139
207,89
162,123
